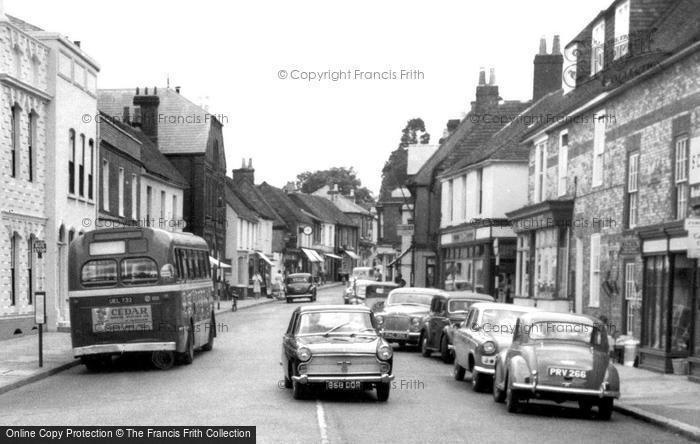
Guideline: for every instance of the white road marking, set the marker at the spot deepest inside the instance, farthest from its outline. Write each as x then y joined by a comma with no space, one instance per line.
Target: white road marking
321,417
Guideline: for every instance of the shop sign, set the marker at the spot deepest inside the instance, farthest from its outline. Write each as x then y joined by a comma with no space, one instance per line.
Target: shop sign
692,226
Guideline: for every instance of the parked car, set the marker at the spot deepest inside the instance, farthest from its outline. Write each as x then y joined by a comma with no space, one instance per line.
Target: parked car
402,317
300,285
336,347
447,311
559,357
370,293
487,330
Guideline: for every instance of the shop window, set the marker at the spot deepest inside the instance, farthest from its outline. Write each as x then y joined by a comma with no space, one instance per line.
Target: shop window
546,262
522,285
631,298
655,305
683,269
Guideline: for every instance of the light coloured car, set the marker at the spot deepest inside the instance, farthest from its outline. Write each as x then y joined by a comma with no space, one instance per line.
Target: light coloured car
404,312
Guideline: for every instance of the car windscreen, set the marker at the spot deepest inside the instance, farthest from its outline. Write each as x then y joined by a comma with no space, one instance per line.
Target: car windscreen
564,331
328,322
500,322
299,279
363,273
459,305
409,298
100,273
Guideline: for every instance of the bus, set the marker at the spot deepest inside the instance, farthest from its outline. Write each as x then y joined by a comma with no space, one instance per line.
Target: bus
140,290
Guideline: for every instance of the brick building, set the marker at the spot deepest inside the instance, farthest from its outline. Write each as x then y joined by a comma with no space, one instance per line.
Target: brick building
610,184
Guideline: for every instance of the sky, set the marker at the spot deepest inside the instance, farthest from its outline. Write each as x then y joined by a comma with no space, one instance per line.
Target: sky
254,62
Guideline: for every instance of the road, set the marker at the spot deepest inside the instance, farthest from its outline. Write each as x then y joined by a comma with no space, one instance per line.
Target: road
237,384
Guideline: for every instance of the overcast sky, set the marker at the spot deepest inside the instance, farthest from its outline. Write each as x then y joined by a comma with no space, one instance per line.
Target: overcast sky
230,55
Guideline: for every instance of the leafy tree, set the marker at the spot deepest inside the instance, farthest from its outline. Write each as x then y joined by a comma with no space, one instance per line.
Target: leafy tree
394,171
345,178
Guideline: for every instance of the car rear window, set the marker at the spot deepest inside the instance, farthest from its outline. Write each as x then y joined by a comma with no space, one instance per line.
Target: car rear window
565,331
137,271
100,273
459,306
299,279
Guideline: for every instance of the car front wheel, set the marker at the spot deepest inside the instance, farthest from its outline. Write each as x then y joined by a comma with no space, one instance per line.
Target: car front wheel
445,352
298,390
479,381
383,389
458,372
498,395
512,401
424,346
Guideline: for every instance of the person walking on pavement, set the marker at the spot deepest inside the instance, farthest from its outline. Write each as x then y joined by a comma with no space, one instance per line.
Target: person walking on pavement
257,281
278,285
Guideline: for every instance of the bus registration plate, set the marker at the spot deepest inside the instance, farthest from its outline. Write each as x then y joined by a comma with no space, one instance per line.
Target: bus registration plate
124,318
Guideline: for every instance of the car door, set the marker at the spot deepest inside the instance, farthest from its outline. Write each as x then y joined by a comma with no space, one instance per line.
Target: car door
437,321
472,340
430,324
460,340
288,342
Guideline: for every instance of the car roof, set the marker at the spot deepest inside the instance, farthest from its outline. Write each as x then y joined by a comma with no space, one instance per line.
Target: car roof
373,282
341,308
469,295
299,274
419,290
551,316
502,306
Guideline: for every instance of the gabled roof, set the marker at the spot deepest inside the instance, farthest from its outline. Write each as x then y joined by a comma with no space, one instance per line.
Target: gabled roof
474,130
188,135
505,144
237,204
21,24
348,206
321,208
255,200
283,205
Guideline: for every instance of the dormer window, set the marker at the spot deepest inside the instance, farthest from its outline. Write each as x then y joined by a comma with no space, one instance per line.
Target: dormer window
622,29
598,48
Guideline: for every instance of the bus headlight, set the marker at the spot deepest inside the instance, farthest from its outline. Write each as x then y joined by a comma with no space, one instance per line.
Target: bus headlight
304,354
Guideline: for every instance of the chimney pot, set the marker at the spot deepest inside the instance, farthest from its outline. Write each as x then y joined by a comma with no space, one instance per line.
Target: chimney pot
250,163
177,89
492,76
155,91
77,43
543,46
126,118
137,91
145,91
482,76
556,46
243,163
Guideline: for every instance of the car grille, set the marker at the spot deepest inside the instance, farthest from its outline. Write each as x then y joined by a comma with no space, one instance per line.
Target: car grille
335,365
397,323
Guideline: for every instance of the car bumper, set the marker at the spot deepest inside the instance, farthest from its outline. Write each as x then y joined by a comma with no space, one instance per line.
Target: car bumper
571,391
123,348
306,379
396,336
484,370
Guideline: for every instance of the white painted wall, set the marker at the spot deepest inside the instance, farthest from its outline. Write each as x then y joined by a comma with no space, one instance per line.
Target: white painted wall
167,217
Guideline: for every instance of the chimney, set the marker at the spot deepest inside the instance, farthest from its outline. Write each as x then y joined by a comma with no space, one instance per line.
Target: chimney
289,188
486,95
245,173
125,117
76,43
148,105
352,196
333,192
450,128
548,69
177,89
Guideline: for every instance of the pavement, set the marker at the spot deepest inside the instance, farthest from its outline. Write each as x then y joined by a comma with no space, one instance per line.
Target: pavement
19,357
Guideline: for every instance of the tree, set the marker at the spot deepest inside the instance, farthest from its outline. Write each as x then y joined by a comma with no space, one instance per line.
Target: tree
345,178
394,171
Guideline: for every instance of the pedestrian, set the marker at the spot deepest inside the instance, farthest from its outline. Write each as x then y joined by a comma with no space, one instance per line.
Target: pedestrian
257,281
278,285
399,280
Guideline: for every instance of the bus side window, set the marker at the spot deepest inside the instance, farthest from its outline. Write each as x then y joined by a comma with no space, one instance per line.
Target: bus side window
182,263
192,264
200,263
207,265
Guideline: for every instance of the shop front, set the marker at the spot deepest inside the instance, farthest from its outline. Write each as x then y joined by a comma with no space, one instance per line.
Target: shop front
479,258
669,341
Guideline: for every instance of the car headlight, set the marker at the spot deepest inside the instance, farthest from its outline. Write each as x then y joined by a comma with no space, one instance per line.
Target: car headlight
304,354
380,320
489,347
415,322
384,352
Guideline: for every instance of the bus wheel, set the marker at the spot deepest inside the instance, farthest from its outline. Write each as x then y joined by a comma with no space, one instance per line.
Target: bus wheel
210,343
163,359
94,363
188,355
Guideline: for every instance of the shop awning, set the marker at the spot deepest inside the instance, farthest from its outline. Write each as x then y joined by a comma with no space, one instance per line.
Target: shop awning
332,256
403,253
265,258
216,263
352,255
312,255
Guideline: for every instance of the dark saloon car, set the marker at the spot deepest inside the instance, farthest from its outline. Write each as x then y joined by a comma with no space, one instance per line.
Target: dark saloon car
487,330
300,285
447,311
335,348
402,317
558,357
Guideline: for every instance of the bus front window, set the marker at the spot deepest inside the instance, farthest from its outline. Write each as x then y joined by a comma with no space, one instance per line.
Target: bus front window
99,273
138,271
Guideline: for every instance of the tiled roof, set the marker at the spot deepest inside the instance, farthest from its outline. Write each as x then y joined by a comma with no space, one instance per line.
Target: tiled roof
322,208
21,24
283,205
237,204
151,158
346,205
255,199
183,127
